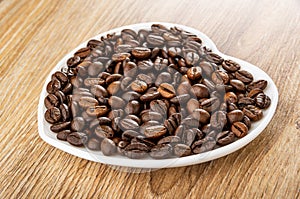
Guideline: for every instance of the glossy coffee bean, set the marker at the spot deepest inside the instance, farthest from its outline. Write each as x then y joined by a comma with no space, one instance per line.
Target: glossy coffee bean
225,137
133,107
108,147
116,102
253,113
62,135
77,124
261,84
104,131
239,129
200,91
203,145
141,53
76,138
218,119
128,124
166,90
201,115
230,66
235,116
53,115
155,132
60,126
262,101
139,86
181,150
51,101
244,76
97,111
194,73
161,151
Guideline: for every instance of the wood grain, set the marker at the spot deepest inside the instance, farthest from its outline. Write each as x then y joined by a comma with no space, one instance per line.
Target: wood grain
36,34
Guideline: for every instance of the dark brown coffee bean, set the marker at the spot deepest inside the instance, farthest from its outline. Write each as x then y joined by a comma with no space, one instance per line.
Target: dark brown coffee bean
174,51
161,151
163,77
192,104
262,84
112,78
61,77
82,53
203,145
131,95
94,144
108,147
135,154
118,57
245,101
239,129
51,101
139,86
220,77
104,131
159,106
253,113
200,91
247,121
133,107
244,76
145,78
149,96
60,126
181,99
209,84
129,124
99,91
225,137
137,146
62,135
77,124
155,40
210,104
201,115
76,138
230,66
181,150
235,116
183,88
114,87
238,85
87,102
53,86
128,135
194,73
145,65
141,53
68,88
262,101
207,68
230,97
218,119
215,58
53,115
97,111
169,140
151,115
155,132
254,92
166,90
190,122
191,58
116,102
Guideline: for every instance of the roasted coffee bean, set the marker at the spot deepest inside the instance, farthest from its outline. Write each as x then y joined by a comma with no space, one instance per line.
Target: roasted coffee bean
230,97
244,76
112,78
141,53
95,68
183,88
166,90
97,111
163,77
131,95
247,121
76,138
118,57
225,137
170,125
238,85
161,151
239,129
203,145
65,112
192,104
73,61
128,124
149,96
51,101
207,68
77,124
146,78
114,87
200,91
61,77
82,53
213,57
155,40
62,135
180,99
116,102
194,73
201,115
254,92
139,86
60,126
135,154
235,116
218,119
94,144
253,113
245,101
137,146
99,91
53,115
104,131
220,77
151,115
133,107
87,102
155,132
190,122
231,66
108,147
53,86
181,150
191,58
159,106
169,140
262,84
262,101
128,135
145,65
210,104
209,84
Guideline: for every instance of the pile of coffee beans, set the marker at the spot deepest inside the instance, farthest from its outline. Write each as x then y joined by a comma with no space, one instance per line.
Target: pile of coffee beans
155,92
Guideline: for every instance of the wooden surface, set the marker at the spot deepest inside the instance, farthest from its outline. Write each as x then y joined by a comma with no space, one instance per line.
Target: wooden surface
35,35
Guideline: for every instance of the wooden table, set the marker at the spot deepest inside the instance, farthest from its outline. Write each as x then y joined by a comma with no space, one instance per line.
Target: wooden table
36,34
